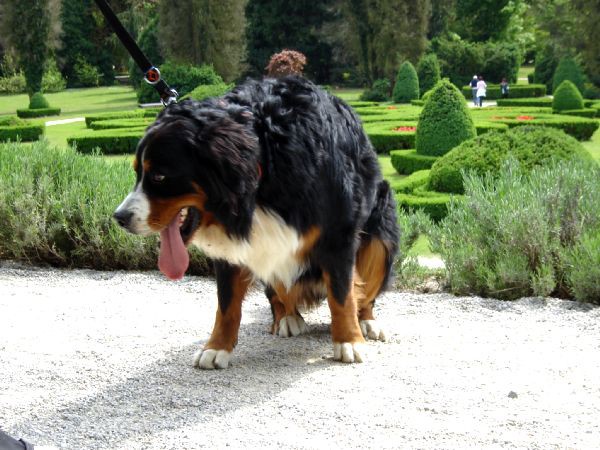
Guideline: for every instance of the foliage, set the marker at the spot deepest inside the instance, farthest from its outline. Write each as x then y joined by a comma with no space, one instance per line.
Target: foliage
286,62
568,69
40,112
445,121
545,66
210,90
56,208
184,78
204,32
28,27
460,60
567,97
379,92
53,81
482,20
85,74
384,136
516,91
140,122
411,182
428,71
544,102
20,131
108,142
508,237
38,101
407,84
136,113
582,267
13,81
529,146
13,84
434,204
85,37
148,43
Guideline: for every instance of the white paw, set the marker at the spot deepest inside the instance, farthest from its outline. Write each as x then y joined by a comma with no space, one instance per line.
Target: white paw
348,352
370,329
291,326
212,359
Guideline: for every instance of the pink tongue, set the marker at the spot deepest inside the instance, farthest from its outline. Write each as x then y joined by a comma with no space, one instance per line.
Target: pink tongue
173,260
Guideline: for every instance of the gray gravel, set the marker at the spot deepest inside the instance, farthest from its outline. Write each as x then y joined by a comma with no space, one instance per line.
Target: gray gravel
98,360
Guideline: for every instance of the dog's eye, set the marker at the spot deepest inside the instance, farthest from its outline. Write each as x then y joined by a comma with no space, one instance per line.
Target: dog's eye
158,177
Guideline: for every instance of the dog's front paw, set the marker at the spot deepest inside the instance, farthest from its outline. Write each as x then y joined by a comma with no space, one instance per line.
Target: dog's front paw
349,352
371,329
291,326
210,358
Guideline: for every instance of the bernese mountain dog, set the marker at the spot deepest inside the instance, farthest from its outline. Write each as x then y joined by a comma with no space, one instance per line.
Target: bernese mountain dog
277,182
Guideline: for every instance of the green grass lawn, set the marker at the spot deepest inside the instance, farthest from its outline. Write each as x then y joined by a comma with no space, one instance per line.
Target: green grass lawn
593,145
349,95
523,72
78,102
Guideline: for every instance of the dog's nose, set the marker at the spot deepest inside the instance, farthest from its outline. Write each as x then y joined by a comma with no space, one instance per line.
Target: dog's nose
123,217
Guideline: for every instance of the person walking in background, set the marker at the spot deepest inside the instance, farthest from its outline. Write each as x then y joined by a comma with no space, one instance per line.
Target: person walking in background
481,91
504,88
474,89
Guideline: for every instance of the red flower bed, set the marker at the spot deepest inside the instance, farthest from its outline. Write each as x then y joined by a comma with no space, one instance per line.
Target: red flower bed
392,107
405,129
525,117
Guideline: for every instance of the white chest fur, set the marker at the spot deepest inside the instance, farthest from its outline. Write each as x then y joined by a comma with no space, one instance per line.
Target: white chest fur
270,251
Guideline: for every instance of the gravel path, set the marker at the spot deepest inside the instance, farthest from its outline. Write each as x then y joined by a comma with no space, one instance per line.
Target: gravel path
99,360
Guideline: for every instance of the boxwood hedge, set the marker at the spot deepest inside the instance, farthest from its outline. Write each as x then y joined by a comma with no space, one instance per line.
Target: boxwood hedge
516,91
139,122
24,132
384,138
408,161
41,112
108,142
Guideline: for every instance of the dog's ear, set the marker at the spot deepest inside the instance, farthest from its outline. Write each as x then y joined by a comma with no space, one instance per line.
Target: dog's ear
230,157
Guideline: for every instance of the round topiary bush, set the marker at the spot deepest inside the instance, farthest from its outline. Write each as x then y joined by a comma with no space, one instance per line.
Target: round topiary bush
531,146
38,101
444,122
379,92
566,97
407,84
428,71
568,69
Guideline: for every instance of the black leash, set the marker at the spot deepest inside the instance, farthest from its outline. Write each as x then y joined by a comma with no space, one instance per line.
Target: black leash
151,73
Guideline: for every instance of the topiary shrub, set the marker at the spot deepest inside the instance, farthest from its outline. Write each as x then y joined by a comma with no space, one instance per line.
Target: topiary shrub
568,69
407,84
379,92
184,78
444,122
38,101
567,97
428,71
530,146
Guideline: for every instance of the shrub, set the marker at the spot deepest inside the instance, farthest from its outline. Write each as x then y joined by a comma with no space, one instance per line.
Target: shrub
148,43
411,182
523,102
508,237
529,146
56,208
21,132
585,112
108,142
137,113
567,97
568,69
184,78
379,92
33,113
38,101
13,84
582,267
138,122
445,121
579,127
591,92
210,90
286,62
53,81
428,71
434,205
384,138
516,91
407,84
85,74
408,161
545,66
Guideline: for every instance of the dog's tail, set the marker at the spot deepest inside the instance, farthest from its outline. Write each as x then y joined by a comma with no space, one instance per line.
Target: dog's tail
379,242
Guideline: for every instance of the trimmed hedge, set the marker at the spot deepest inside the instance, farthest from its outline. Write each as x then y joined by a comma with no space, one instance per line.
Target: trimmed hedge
580,128
361,104
530,146
409,161
586,112
434,205
147,112
445,121
400,113
411,182
108,142
384,138
485,127
205,91
516,91
21,132
113,124
407,84
42,112
541,102
567,97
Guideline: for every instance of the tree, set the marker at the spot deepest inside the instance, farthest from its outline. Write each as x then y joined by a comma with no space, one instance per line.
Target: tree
567,97
274,25
442,16
28,26
568,69
204,32
407,84
428,71
482,20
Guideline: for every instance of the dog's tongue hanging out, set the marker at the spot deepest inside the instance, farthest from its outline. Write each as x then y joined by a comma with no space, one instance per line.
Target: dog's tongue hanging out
173,260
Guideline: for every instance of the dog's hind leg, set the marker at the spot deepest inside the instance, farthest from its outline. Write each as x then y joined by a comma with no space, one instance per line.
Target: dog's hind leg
232,285
287,321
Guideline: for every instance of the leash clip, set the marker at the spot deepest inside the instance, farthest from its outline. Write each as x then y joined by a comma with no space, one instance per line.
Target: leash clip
152,75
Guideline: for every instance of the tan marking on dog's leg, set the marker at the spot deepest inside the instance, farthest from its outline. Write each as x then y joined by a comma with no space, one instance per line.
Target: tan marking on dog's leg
348,341
291,322
217,351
